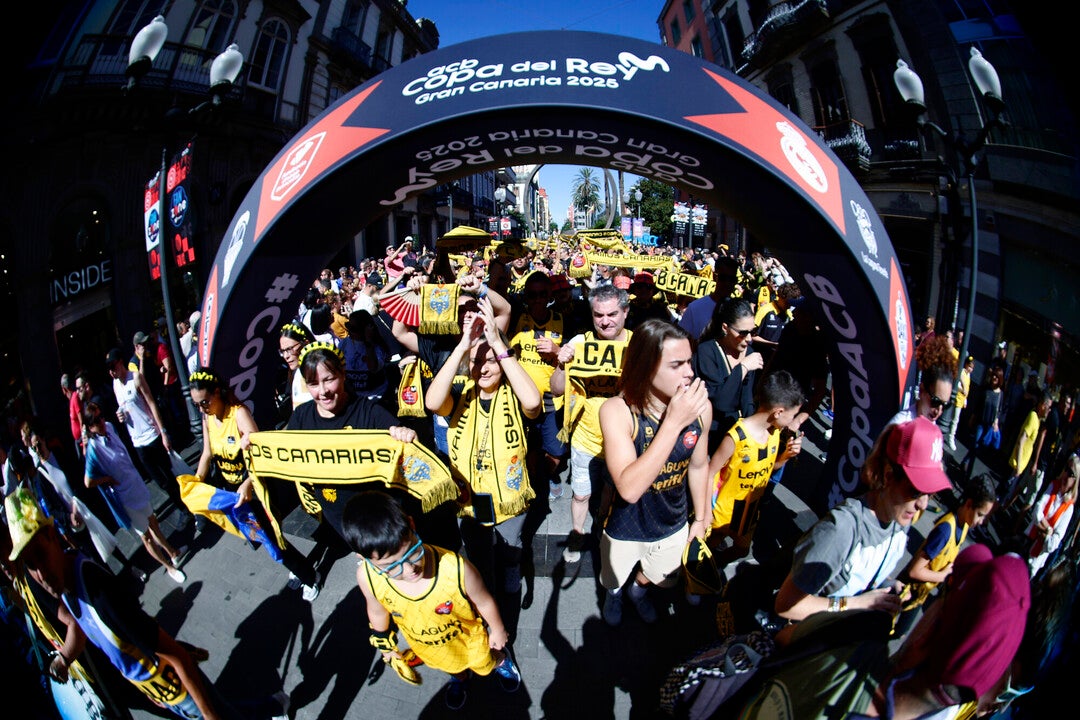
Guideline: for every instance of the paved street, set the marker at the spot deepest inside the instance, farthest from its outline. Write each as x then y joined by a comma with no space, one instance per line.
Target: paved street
263,637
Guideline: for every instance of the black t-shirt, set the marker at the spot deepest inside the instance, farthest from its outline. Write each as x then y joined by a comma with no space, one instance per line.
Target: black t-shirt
359,414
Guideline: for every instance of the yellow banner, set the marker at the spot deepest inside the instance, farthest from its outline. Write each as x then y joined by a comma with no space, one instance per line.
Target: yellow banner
683,283
351,457
629,260
597,357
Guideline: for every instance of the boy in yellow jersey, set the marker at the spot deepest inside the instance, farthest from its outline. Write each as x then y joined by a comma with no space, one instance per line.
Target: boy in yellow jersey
741,466
934,560
435,597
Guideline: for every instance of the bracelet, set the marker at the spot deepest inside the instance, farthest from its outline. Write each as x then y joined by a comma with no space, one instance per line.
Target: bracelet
843,604
834,605
504,354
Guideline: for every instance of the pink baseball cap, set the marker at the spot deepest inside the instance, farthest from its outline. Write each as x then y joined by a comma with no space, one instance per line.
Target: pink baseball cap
917,447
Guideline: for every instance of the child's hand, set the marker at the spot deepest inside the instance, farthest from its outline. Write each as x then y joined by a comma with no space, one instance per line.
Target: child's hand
497,638
794,446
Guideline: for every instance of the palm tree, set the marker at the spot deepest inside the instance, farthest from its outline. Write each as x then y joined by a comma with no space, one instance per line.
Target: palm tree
586,195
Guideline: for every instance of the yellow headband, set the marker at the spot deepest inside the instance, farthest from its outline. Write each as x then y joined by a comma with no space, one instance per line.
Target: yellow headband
205,376
296,328
329,347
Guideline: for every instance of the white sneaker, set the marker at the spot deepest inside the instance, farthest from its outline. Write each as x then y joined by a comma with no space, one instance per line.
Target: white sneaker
181,555
952,444
176,574
310,592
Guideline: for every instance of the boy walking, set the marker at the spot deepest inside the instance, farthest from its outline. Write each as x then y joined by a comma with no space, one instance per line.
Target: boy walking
746,458
436,599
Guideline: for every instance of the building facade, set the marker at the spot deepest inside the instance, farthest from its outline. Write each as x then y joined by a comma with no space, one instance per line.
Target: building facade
831,62
84,145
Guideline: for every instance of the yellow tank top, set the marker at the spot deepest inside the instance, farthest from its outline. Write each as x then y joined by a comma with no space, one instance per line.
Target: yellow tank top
224,438
440,624
586,435
738,487
920,591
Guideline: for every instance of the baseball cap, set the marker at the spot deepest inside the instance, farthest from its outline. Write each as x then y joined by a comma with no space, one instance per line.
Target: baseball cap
140,338
114,356
374,279
24,518
982,621
916,446
194,318
559,282
644,278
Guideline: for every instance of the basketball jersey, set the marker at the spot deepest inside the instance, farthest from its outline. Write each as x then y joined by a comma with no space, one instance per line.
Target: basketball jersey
739,486
224,438
663,509
524,336
441,624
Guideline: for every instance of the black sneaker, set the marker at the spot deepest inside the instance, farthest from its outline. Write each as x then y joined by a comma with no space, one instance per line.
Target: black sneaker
612,611
455,694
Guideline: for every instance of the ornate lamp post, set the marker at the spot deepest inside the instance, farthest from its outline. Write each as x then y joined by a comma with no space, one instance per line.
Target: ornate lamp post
986,80
224,70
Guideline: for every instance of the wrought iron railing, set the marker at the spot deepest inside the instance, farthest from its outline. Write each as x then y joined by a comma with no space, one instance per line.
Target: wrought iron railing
848,140
782,18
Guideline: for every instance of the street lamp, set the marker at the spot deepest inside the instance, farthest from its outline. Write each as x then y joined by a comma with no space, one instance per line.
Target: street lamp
986,79
636,197
224,70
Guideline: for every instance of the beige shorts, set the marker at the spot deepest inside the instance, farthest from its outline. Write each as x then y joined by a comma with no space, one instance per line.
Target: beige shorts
661,560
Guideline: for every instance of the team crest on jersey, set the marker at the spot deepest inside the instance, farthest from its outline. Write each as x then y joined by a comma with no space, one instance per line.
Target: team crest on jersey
689,439
230,440
445,608
746,458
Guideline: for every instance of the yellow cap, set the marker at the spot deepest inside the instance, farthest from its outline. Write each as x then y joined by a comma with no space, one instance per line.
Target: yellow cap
24,518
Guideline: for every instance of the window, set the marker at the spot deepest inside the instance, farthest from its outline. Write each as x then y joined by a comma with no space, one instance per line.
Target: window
735,38
782,88
268,60
212,26
676,33
696,49
827,92
688,11
353,21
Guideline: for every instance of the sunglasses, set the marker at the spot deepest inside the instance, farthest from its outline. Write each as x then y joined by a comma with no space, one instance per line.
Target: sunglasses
743,333
937,403
204,404
412,556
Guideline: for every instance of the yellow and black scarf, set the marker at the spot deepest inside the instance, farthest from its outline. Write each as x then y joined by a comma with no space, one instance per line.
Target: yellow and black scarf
487,451
593,372
439,309
410,393
351,457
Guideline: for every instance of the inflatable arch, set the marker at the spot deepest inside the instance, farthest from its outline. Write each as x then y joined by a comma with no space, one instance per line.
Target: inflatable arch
563,97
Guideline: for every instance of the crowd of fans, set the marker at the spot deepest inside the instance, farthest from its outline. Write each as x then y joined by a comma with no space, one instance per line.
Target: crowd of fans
526,367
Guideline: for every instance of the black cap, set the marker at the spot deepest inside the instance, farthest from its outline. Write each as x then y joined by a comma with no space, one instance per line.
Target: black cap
114,356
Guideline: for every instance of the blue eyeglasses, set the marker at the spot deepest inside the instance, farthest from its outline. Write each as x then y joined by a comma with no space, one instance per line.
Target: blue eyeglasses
413,556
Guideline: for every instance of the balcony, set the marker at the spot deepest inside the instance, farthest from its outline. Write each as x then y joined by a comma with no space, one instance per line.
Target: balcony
101,61
787,23
352,47
848,140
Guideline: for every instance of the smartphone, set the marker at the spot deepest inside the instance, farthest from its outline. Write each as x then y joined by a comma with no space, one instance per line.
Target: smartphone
484,508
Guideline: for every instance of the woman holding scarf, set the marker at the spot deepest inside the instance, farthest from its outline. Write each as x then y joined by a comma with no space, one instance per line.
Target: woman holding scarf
487,442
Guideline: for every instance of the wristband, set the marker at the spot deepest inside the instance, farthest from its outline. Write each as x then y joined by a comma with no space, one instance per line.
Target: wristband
503,355
482,292
843,604
384,641
834,605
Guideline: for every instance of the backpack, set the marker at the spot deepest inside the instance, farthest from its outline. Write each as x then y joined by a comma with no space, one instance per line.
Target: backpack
696,688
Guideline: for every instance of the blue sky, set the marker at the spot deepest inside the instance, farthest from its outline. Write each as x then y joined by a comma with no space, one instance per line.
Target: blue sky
459,21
